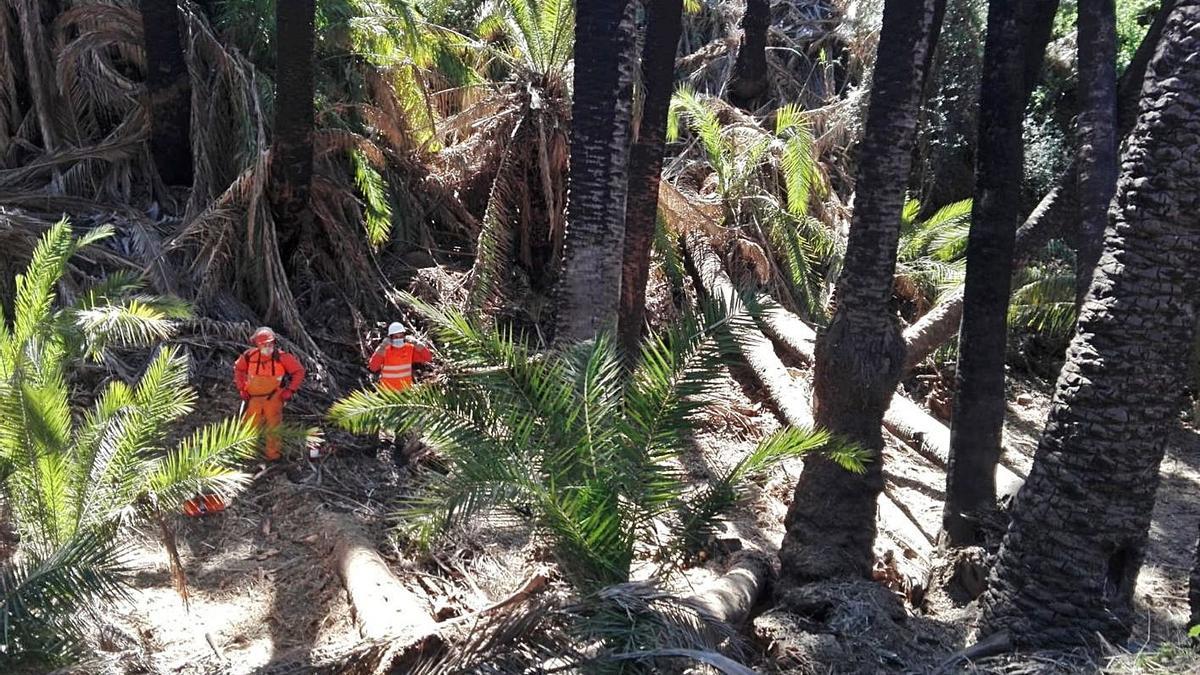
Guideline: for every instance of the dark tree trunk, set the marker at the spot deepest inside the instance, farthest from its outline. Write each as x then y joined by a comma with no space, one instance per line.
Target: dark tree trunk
292,147
1052,215
663,25
1097,130
979,399
749,79
831,522
1069,562
1193,589
169,92
590,286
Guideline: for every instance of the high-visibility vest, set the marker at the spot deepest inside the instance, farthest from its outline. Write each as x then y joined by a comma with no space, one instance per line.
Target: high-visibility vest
260,375
395,364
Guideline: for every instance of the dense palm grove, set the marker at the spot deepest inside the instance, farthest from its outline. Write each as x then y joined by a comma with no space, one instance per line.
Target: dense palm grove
727,301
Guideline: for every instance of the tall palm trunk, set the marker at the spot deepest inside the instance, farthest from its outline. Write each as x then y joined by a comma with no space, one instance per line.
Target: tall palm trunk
831,522
1193,589
590,286
979,399
292,147
1097,130
749,79
663,26
1068,564
170,92
1053,214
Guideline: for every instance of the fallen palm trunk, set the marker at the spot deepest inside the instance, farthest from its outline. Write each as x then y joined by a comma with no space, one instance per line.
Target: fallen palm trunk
755,348
732,597
907,420
384,608
790,400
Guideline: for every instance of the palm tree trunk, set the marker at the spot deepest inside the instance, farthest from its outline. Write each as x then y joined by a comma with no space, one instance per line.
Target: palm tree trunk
831,522
1193,589
749,79
663,25
590,287
170,92
292,147
1097,129
1052,215
1069,562
979,399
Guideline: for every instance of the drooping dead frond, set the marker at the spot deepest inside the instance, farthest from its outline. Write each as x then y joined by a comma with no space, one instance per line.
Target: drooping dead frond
492,251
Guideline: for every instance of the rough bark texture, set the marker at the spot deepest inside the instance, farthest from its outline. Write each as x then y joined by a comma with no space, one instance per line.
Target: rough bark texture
1069,562
749,79
1097,130
590,287
979,393
169,92
831,522
663,25
1053,213
1193,589
909,422
292,147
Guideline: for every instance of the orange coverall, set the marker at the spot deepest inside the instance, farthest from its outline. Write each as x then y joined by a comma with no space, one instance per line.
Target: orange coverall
266,383
394,364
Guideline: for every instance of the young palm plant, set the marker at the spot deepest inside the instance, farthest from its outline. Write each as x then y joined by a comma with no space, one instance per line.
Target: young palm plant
765,182
74,479
584,450
932,254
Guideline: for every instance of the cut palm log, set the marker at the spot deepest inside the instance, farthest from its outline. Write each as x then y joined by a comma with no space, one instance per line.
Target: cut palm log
731,598
384,608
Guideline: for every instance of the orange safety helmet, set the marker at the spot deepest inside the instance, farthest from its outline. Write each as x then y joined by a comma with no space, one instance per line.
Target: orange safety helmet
262,336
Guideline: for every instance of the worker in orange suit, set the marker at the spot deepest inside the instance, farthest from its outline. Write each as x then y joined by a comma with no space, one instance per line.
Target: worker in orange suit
394,358
267,378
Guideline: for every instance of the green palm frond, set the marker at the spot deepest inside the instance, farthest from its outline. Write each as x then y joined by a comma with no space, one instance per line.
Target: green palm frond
932,252
378,208
797,163
539,34
697,517
45,599
73,478
585,453
1044,300
205,462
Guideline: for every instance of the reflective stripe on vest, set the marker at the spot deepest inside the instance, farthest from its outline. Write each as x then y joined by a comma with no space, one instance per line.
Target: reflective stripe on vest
397,371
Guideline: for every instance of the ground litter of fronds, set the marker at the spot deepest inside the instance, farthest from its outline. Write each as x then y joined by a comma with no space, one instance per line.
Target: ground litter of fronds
264,592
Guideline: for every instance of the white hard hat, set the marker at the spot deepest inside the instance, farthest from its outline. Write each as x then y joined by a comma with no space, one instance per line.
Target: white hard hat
396,327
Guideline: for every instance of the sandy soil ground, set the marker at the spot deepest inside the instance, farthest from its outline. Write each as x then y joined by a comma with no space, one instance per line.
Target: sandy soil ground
264,597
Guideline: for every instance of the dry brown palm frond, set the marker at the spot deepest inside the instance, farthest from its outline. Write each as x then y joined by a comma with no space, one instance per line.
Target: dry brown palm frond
11,115
387,114
492,251
44,97
329,141
120,148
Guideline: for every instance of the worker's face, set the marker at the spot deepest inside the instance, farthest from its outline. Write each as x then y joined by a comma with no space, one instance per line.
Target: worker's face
397,339
266,348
